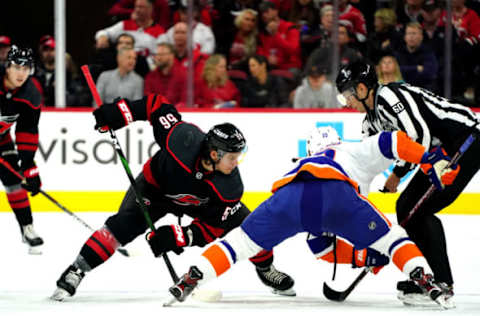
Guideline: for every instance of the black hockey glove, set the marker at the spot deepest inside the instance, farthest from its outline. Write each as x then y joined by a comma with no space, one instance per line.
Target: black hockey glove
113,115
167,238
32,182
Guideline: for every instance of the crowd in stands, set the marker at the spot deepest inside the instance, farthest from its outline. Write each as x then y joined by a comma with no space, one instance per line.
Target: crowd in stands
269,53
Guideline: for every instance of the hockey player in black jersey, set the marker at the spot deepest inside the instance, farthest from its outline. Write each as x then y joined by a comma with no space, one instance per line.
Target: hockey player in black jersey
430,120
20,102
193,173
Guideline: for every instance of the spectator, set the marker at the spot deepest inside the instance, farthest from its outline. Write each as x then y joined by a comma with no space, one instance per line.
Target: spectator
245,42
418,63
141,26
319,36
466,24
322,57
168,78
215,89
261,89
385,37
123,9
76,91
106,58
5,45
203,38
347,12
316,91
181,50
305,14
121,82
203,10
223,24
279,40
388,70
408,11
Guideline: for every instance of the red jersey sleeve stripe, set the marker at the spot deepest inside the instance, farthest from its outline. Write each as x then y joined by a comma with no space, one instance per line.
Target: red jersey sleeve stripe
28,138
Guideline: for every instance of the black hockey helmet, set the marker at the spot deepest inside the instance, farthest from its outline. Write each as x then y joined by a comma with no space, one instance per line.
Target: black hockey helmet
352,74
20,56
225,137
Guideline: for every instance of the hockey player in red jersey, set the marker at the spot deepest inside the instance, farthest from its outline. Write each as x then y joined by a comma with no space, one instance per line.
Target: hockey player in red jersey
20,102
306,200
193,173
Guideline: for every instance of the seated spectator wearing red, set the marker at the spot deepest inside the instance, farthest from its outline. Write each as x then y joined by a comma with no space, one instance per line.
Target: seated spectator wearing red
261,89
202,34
205,11
466,24
418,63
123,9
214,89
169,78
245,42
279,40
349,13
180,31
5,45
141,26
106,58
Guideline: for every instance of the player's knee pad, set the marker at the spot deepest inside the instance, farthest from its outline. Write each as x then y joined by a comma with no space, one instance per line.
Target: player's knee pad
241,244
385,243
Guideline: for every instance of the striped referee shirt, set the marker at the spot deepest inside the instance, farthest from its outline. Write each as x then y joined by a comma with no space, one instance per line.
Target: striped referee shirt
427,118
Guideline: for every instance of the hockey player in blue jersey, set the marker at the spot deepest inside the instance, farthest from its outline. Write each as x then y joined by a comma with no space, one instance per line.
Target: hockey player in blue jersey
323,194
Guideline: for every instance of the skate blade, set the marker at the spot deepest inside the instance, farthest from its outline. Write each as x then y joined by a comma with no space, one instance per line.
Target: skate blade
59,295
170,302
445,303
288,292
35,250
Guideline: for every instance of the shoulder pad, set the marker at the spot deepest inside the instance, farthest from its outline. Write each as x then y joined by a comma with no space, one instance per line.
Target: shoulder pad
184,142
228,187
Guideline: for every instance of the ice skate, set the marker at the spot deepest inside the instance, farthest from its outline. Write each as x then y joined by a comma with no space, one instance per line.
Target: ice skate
31,238
279,282
186,284
412,295
68,283
440,294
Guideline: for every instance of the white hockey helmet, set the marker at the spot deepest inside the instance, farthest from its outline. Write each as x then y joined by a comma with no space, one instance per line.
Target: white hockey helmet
321,138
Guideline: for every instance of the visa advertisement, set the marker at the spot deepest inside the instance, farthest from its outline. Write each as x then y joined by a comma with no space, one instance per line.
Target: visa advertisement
80,168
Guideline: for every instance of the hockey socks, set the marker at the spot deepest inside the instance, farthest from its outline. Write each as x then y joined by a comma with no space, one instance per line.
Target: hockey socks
18,200
99,247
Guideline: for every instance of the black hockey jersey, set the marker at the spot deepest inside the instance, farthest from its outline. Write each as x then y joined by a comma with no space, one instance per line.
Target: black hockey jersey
176,170
21,106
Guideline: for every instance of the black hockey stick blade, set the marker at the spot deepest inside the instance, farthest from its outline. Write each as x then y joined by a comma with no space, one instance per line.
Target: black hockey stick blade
337,296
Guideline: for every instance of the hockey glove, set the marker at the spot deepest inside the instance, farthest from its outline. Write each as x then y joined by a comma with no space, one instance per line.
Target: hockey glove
369,258
32,182
434,164
167,238
113,115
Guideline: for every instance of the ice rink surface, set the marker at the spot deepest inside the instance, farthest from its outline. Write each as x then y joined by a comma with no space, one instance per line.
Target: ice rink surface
137,285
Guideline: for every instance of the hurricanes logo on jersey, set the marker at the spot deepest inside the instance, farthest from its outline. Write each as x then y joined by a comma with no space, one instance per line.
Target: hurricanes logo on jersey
185,199
6,122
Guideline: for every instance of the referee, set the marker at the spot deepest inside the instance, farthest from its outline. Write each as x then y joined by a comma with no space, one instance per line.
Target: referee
430,120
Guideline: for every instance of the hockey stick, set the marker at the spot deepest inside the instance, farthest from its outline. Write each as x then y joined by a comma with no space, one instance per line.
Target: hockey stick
337,296
63,208
430,190
118,149
341,296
